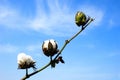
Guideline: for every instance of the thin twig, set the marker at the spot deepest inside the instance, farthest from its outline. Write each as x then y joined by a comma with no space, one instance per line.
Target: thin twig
66,42
25,77
26,71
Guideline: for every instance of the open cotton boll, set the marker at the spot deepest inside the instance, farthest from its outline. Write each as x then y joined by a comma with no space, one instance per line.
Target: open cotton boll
29,60
49,47
21,58
46,44
25,61
53,43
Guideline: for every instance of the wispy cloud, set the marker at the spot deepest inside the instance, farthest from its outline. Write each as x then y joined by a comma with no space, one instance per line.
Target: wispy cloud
14,49
12,18
7,48
33,47
56,21
51,18
94,12
7,15
59,20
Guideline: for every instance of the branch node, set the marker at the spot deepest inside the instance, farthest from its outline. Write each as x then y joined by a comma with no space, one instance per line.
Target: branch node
67,41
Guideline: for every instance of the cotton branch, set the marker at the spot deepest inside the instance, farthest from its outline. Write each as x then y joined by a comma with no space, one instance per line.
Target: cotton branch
60,51
66,42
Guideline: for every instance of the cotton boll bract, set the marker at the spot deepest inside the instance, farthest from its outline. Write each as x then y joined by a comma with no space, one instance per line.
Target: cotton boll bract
25,61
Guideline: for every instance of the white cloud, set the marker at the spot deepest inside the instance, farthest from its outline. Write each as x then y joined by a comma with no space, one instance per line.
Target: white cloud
12,18
51,19
34,47
7,48
57,21
93,12
6,15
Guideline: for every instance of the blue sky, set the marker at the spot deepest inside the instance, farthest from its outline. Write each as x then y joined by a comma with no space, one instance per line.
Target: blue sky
93,55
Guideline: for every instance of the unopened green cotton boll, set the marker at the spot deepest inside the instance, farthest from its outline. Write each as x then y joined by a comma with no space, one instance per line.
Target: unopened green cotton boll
80,19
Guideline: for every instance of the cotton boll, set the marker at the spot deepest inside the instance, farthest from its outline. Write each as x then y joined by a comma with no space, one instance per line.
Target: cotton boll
54,43
45,44
25,61
29,60
21,58
80,18
49,47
